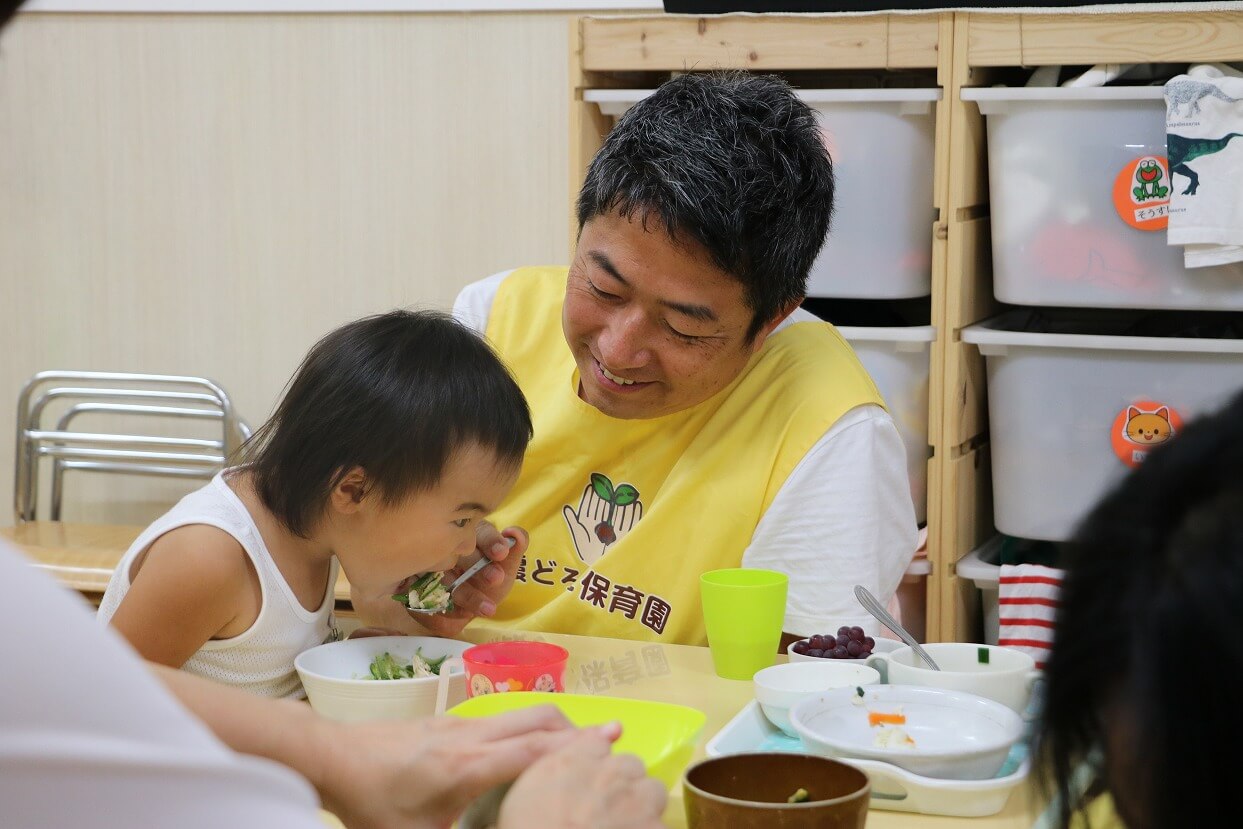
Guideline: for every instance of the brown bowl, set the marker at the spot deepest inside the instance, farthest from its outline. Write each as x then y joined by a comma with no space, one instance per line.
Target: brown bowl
751,791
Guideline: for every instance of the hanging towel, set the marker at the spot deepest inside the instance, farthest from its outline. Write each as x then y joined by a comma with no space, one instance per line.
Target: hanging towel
1027,602
1204,143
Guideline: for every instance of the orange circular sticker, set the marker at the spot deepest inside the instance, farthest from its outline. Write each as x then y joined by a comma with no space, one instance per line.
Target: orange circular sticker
1141,427
1142,193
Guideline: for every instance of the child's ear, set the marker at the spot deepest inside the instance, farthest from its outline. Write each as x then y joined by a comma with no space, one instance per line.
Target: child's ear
347,496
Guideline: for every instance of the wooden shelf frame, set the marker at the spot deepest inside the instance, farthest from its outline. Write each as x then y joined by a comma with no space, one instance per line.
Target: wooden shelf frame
965,49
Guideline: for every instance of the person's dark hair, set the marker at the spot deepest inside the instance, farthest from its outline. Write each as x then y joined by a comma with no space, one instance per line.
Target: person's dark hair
8,8
396,394
1147,652
732,161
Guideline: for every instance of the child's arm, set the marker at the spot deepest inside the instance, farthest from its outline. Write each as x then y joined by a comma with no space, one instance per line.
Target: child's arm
193,584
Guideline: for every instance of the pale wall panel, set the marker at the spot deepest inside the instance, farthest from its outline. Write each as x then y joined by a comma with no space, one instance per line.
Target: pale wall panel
209,194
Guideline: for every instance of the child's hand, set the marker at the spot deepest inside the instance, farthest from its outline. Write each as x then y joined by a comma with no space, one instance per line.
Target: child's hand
481,595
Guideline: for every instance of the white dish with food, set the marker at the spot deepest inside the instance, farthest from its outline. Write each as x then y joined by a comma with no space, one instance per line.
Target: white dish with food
340,685
879,645
928,731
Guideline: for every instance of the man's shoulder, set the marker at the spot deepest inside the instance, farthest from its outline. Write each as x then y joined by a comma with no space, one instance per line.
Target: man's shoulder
807,363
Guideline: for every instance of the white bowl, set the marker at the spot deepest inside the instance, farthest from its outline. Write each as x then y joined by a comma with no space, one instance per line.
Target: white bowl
958,736
1004,674
780,687
882,646
339,686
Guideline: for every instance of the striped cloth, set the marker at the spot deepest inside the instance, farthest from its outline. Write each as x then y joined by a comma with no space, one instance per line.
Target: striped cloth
1027,602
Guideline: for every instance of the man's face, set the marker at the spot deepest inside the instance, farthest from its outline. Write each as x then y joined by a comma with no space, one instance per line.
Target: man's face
655,327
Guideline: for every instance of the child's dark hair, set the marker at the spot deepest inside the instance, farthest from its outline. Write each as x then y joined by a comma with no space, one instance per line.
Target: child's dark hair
733,161
396,394
1147,652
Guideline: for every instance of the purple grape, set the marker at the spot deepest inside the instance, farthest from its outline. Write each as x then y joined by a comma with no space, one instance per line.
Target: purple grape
843,639
864,654
843,630
869,642
840,652
816,652
816,641
856,633
854,649
800,646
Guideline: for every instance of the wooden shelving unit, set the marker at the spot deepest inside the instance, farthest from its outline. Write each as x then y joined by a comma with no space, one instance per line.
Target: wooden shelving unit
986,45
961,49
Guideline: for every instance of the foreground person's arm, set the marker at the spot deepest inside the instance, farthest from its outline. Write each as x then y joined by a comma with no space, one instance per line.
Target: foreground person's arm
415,773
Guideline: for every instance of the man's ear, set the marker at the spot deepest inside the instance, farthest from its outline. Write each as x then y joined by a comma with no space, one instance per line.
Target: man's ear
348,494
768,327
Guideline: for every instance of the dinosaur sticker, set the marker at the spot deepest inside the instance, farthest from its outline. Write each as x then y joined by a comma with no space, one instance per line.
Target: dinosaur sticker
1141,193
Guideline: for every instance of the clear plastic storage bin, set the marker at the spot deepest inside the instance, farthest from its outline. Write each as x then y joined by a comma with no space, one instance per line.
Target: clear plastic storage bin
982,565
880,245
897,358
1074,401
1055,156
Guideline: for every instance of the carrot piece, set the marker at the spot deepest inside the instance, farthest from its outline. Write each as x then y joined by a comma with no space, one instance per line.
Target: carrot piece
880,717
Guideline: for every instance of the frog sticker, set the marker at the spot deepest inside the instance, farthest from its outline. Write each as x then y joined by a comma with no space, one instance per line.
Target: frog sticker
1148,176
1141,193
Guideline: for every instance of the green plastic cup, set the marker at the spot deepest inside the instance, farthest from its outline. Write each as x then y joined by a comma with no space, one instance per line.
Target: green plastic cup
744,611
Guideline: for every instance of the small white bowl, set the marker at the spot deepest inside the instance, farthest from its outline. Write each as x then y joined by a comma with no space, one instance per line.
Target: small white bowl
882,646
339,686
780,687
958,736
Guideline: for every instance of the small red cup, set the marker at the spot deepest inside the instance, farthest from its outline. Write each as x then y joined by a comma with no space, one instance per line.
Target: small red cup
499,667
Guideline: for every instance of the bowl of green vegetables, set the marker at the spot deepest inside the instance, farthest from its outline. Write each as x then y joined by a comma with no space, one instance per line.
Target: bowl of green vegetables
378,677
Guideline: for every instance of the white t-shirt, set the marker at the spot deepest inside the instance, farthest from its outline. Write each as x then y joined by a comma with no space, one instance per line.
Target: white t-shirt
843,517
90,738
260,659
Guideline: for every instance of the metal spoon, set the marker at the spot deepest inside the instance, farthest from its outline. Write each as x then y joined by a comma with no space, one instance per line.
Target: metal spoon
871,605
460,580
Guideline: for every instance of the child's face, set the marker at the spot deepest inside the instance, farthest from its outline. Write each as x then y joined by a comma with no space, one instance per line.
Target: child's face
426,531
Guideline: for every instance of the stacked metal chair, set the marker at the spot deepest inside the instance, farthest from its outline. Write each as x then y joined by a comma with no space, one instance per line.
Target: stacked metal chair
72,396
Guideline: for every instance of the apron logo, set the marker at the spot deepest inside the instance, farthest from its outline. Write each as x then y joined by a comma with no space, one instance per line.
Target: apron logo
605,515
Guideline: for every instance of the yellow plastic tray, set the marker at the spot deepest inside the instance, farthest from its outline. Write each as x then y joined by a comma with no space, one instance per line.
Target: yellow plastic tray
661,734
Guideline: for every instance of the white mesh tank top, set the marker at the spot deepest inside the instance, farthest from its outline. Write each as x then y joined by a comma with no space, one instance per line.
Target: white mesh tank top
259,660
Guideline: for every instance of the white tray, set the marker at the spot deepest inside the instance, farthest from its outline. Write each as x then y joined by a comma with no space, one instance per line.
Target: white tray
892,788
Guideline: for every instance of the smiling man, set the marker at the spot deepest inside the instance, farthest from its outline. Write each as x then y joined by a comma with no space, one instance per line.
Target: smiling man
688,415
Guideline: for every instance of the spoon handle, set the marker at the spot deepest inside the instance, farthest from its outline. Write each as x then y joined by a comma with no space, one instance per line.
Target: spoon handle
475,568
871,605
470,571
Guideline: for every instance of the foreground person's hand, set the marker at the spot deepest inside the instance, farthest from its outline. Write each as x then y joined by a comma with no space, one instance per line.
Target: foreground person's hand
423,773
583,786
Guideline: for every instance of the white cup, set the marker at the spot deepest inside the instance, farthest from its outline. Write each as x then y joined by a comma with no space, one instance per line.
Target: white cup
1003,674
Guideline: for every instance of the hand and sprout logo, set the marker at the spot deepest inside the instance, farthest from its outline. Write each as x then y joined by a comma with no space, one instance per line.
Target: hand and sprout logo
605,514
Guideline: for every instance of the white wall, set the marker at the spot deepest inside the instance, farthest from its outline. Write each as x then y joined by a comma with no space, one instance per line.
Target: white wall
208,194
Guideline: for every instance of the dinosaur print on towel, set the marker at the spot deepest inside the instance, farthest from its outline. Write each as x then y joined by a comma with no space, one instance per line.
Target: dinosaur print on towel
1189,93
1182,149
